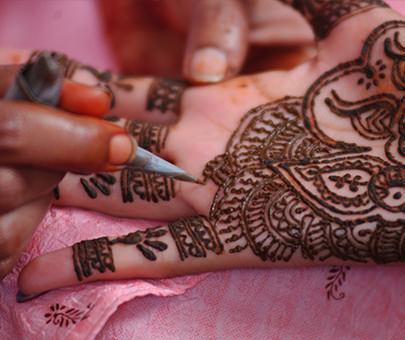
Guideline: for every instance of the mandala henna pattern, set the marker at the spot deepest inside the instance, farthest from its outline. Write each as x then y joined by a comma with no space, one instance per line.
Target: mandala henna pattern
286,184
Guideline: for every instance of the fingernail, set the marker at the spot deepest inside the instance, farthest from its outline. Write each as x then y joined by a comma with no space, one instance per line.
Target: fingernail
20,297
208,65
121,149
106,88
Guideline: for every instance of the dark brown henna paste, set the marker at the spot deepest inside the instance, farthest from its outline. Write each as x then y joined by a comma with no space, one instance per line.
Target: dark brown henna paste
92,255
165,95
90,191
378,116
146,241
100,182
336,278
149,136
56,193
287,185
149,187
64,316
324,15
195,236
319,195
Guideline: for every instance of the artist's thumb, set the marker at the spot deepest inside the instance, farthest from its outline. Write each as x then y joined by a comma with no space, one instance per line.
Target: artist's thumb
217,41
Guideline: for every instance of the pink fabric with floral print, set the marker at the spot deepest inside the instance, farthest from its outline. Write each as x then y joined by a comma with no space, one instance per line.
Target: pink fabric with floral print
305,303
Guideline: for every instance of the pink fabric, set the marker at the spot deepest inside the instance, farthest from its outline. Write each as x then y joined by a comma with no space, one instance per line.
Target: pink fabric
243,304
44,317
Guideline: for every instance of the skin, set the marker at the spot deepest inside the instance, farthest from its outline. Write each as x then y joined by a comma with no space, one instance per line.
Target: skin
28,175
207,120
46,170
250,35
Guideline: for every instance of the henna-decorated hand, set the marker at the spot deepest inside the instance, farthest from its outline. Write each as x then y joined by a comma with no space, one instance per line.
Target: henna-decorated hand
300,167
37,146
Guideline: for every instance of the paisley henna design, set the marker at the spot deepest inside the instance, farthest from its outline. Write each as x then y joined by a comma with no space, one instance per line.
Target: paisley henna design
94,254
318,195
287,184
165,95
324,15
379,116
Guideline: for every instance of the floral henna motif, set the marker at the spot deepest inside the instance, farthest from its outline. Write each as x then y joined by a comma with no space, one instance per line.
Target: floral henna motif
324,15
287,184
336,278
146,242
64,316
165,95
377,116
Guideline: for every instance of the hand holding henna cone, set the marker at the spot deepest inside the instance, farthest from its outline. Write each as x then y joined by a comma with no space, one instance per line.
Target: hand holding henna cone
40,81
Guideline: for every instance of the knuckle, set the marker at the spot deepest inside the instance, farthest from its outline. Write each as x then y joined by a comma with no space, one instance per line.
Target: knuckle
11,132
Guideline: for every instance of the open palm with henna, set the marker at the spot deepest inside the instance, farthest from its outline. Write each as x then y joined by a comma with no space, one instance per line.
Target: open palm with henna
300,167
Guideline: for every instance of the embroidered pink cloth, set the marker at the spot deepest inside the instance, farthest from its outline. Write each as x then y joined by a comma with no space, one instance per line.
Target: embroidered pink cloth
305,303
